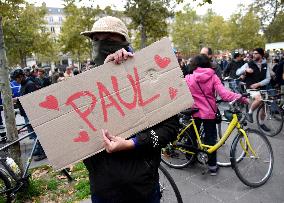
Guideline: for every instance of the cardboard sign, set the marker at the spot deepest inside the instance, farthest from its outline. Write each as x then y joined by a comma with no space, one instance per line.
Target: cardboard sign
125,99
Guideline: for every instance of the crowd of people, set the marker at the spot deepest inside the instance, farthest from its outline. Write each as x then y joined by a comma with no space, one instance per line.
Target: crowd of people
127,171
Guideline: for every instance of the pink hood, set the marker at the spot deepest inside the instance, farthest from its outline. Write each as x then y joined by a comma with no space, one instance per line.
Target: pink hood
210,85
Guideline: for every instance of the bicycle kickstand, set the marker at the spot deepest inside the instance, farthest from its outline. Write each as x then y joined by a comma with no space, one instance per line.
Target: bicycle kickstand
65,172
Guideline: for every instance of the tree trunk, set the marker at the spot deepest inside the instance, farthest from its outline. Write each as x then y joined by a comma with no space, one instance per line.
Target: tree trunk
8,106
143,35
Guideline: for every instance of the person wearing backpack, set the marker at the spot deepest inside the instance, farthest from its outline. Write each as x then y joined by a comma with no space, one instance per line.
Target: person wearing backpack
203,85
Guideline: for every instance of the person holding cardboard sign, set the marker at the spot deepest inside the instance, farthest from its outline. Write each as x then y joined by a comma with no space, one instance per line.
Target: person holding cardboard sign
127,171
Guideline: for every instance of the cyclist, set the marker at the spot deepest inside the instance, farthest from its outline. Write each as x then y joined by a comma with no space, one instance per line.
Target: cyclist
203,85
127,171
257,76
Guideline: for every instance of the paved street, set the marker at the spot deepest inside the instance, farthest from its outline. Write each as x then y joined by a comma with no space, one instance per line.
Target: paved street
225,187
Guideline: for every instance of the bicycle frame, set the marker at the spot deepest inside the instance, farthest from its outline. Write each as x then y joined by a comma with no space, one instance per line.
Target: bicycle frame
210,149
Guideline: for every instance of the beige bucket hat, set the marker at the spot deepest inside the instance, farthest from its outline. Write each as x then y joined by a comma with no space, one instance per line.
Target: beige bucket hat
108,24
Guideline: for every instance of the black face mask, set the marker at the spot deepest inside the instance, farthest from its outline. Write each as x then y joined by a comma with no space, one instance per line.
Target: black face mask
103,48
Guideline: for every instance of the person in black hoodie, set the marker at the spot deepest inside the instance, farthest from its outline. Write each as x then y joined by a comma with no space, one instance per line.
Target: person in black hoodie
127,171
28,86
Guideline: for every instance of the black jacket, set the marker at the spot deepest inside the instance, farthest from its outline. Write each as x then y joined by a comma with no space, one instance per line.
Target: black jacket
257,75
131,176
232,67
27,86
279,73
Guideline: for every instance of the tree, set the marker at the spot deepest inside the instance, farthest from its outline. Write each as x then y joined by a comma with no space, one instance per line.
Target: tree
187,31
245,31
25,34
267,10
77,21
149,19
275,31
190,32
6,95
9,7
215,31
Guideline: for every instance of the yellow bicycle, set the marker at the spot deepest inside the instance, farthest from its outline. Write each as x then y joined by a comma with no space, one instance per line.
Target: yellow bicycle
251,155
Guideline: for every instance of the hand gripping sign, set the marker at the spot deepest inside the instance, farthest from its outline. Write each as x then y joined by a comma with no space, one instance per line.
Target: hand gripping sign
125,99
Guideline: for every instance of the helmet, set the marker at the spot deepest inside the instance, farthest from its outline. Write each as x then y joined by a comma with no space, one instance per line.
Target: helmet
109,24
17,73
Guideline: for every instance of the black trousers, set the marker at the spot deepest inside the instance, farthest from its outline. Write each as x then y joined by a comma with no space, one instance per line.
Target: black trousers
210,138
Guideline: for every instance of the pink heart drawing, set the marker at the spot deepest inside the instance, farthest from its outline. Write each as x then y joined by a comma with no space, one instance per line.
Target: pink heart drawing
173,92
50,103
83,137
162,62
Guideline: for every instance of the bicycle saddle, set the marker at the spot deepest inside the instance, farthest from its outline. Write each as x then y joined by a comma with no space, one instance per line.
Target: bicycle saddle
189,112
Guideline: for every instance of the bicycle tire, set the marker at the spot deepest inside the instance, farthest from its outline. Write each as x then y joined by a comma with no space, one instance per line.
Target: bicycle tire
164,187
223,153
174,158
5,184
273,120
260,144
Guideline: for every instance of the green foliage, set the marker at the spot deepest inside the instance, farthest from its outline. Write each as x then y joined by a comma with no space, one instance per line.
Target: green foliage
245,31
49,186
275,31
187,31
82,189
267,10
190,31
201,2
77,21
214,34
24,34
148,19
8,7
79,166
52,184
35,189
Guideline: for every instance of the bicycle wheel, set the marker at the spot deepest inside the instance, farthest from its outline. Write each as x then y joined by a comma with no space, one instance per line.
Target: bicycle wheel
273,118
175,158
223,153
168,188
4,185
253,170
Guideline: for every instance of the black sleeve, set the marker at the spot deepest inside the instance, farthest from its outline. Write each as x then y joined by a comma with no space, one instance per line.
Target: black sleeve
159,135
30,87
228,69
279,73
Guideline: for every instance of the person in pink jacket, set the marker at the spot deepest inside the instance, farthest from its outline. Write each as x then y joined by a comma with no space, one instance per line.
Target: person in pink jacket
203,85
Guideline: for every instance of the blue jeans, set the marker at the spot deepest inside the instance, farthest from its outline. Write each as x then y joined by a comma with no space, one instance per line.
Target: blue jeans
154,198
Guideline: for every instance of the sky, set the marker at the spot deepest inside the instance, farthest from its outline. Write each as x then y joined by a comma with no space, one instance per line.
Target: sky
222,7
